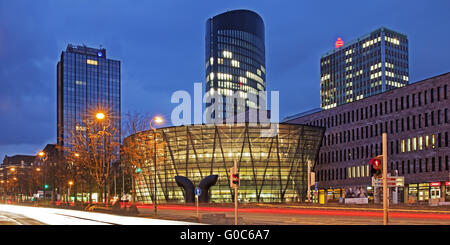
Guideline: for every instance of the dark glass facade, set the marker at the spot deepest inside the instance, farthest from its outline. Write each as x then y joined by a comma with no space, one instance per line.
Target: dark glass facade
272,168
87,83
372,64
235,62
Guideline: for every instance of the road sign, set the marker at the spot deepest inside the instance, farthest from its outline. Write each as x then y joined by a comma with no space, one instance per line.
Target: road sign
198,191
396,181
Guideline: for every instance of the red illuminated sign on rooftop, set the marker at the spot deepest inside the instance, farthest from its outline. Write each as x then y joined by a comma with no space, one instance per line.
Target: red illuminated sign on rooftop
339,43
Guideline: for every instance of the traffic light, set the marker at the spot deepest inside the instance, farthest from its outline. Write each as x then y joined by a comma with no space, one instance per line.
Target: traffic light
138,170
377,166
45,186
234,178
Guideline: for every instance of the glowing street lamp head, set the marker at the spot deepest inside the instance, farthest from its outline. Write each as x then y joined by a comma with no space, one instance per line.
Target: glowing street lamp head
41,153
70,182
12,169
158,119
100,116
77,155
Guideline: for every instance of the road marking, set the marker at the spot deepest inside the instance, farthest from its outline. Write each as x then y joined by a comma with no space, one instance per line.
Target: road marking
10,219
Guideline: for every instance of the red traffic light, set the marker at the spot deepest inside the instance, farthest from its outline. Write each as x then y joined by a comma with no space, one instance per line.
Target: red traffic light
235,179
376,162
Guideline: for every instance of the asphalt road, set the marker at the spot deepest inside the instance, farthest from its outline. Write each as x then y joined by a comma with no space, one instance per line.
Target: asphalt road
304,216
7,218
171,214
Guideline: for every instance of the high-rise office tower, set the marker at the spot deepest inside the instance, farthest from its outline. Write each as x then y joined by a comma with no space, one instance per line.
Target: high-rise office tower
235,63
369,65
87,83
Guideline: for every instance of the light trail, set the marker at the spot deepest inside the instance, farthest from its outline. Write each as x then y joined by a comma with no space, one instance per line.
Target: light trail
53,216
424,214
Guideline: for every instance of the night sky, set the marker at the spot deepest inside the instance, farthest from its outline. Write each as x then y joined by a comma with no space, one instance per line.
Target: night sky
161,47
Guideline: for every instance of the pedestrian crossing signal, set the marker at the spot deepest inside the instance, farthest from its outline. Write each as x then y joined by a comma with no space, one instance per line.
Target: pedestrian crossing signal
377,166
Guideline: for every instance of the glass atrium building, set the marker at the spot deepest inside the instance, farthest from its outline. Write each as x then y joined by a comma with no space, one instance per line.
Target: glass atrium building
272,167
235,63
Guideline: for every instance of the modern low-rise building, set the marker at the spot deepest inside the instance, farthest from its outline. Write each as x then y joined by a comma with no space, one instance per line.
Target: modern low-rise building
272,161
415,118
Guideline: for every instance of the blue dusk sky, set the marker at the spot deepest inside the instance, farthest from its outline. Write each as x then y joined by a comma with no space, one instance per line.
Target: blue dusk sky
161,47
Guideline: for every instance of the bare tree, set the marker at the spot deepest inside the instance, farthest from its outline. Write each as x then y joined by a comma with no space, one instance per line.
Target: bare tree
133,154
140,151
93,146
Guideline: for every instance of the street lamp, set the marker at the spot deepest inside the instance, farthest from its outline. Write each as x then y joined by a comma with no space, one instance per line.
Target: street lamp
68,191
43,157
100,115
157,120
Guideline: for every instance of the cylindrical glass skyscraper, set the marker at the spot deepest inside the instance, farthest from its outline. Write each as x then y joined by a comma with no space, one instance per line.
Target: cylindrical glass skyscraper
235,62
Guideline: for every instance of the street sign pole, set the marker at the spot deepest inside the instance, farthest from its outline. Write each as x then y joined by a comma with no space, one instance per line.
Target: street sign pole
385,184
196,203
235,197
198,192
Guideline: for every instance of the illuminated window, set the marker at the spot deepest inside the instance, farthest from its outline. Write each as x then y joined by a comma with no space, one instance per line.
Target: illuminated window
227,54
420,143
91,62
433,141
426,141
414,144
211,60
235,63
403,145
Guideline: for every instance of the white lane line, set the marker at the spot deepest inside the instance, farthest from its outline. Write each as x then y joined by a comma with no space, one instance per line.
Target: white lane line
10,219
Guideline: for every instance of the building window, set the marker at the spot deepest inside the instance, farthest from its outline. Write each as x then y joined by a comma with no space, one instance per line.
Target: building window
432,95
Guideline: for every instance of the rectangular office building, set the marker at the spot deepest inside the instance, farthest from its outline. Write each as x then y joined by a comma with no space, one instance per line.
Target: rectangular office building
87,83
369,65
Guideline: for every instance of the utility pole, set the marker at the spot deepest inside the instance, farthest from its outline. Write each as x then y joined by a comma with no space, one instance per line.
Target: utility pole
234,182
385,186
236,196
309,181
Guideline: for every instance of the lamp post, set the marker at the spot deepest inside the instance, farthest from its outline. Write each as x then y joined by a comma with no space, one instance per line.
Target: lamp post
12,170
100,116
157,120
43,156
68,191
